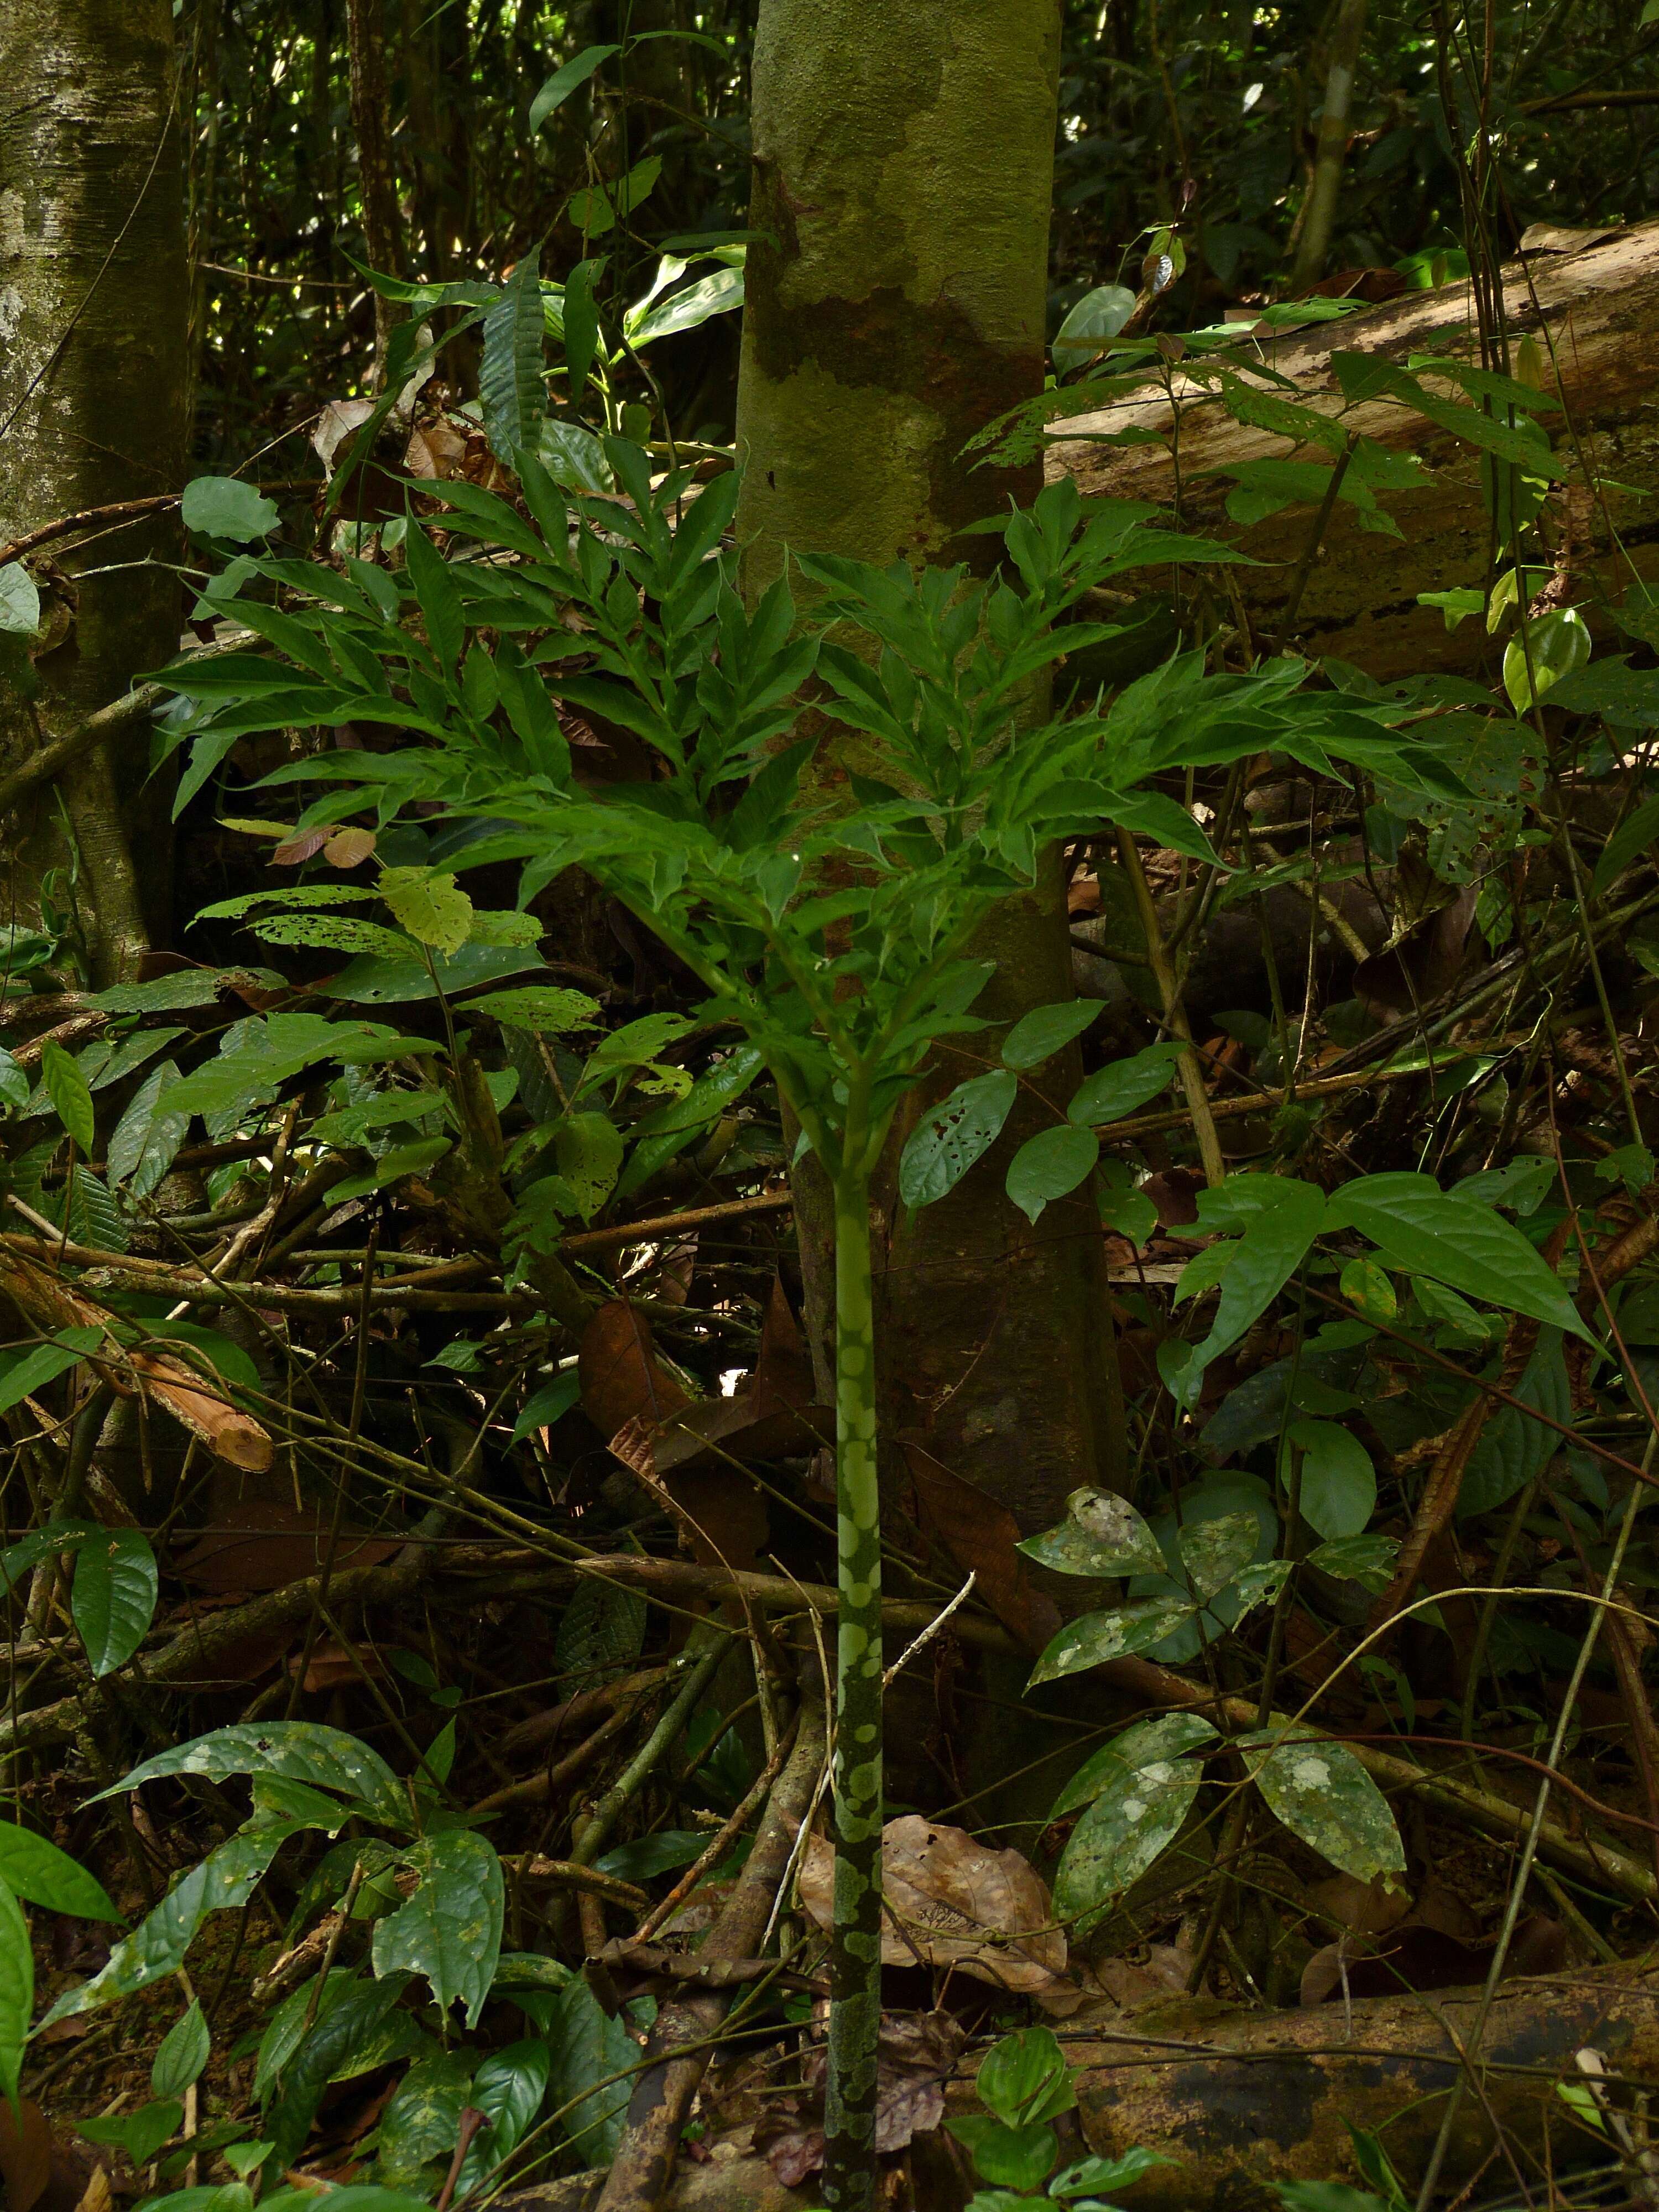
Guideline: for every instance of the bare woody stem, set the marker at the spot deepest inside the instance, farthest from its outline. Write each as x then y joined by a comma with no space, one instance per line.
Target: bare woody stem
1175,1014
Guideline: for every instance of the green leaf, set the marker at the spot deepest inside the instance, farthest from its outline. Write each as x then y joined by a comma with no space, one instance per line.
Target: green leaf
588,1148
1328,2196
305,1750
450,1930
548,1404
508,2089
19,602
687,309
1011,2157
1138,1791
563,81
1633,837
1050,1165
146,1140
16,1089
1025,2078
139,2134
1324,1795
16,1990
331,932
1367,1560
225,506
113,1597
1423,1229
1366,1285
539,1006
430,905
1119,1088
1038,1036
23,1373
183,2054
1094,2177
946,1143
1098,316
588,2050
510,387
71,1098
1094,1638
573,456
423,2119
654,1854
353,2022
1102,1535
1280,1218
1339,1483
1550,648
33,1866
1213,1551
1513,1448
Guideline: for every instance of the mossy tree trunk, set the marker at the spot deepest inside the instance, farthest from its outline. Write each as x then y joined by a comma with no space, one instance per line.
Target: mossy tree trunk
903,166
93,315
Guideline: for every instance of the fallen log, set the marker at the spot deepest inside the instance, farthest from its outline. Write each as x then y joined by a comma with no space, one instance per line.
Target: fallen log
1240,2101
1595,314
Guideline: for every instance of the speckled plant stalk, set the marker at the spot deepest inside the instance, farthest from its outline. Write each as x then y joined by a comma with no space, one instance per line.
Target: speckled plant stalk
849,2124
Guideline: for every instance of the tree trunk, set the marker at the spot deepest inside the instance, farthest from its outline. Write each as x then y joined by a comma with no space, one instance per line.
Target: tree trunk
93,312
1595,314
376,183
903,165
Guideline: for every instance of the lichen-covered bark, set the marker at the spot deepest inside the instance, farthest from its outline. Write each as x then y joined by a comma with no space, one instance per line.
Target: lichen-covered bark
93,311
903,170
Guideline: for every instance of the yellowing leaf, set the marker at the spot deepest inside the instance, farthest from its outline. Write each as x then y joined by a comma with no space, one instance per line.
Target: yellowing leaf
431,906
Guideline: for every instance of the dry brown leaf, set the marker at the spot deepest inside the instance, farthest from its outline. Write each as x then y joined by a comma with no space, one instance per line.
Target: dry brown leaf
25,2153
349,848
1366,1908
264,1543
980,1536
622,1378
948,1901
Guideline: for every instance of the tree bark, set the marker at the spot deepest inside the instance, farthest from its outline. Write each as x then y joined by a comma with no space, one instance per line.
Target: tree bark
376,183
902,168
93,313
1595,314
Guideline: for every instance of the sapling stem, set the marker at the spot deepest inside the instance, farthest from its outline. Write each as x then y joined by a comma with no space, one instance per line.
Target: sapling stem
849,2127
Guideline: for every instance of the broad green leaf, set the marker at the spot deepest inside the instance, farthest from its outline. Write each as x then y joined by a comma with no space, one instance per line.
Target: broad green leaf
1513,1448
1044,1031
1094,2177
603,1626
146,1140
139,2134
1213,1551
20,601
1102,1535
33,1868
508,2089
1454,1312
548,1404
354,2023
430,905
1143,1792
1551,647
647,1856
1339,1483
563,81
423,2119
589,1148
574,457
1011,2159
305,1750
113,1597
1025,2078
450,1930
946,1143
687,309
1423,1229
1095,1639
16,1990
1280,1218
330,932
183,2054
510,387
1367,1560
594,2059
225,506
1050,1165
539,1006
23,1373
71,1098
1366,1285
1119,1088
1324,1795
16,1089
1097,317
1171,1736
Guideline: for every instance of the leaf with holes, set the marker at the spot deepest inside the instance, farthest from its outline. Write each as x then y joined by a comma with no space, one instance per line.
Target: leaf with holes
1324,1795
588,1148
1142,1790
539,1006
1214,1551
450,1930
113,1598
959,1130
1102,1535
304,1751
430,905
333,933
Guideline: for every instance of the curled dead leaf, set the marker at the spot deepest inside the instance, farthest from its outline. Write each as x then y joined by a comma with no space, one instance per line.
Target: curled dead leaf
949,1901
